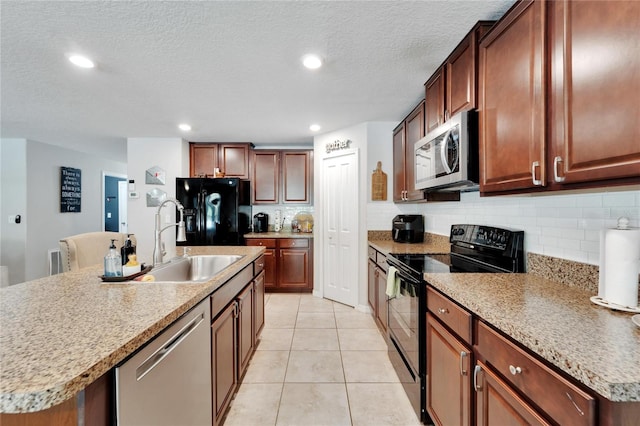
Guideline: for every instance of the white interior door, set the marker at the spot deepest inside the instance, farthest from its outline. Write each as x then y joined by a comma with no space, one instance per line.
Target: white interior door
340,201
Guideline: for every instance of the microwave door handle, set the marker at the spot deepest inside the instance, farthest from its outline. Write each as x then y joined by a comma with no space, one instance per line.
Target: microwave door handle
443,152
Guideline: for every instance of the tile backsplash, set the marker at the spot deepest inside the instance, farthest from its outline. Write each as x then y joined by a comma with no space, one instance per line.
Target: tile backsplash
560,225
288,212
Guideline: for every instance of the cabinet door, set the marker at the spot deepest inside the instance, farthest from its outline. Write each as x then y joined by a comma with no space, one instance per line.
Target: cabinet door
448,376
461,78
296,177
234,160
203,159
398,164
434,101
414,132
258,304
497,404
265,177
595,90
381,310
224,362
372,288
511,101
246,334
293,268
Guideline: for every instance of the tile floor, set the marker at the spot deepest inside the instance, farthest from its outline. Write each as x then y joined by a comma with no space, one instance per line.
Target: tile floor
319,363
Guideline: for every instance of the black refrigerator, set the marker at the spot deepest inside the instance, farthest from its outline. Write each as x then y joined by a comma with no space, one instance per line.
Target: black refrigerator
216,211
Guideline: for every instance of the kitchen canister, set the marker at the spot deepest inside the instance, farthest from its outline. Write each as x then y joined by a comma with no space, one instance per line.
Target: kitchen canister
619,267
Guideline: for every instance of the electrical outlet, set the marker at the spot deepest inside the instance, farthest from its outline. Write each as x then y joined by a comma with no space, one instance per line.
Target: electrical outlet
12,219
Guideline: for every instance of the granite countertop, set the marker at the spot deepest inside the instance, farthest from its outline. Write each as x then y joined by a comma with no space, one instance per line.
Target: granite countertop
429,246
595,345
598,347
281,234
59,334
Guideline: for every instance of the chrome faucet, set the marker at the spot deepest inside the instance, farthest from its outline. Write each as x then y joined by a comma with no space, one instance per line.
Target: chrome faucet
158,248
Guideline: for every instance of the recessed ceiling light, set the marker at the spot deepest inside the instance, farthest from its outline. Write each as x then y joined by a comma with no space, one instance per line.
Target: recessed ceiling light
184,127
314,127
312,61
81,61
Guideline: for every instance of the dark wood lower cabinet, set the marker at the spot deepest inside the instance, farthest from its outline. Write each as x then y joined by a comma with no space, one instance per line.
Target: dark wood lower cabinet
246,336
258,301
448,377
288,263
381,311
498,404
224,360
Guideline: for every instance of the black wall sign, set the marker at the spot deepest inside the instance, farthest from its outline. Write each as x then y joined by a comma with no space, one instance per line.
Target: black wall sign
70,190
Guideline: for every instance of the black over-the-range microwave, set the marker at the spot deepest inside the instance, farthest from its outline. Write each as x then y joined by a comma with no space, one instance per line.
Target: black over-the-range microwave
447,157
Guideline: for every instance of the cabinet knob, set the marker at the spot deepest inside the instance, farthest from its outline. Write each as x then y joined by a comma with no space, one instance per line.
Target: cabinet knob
443,311
260,243
515,370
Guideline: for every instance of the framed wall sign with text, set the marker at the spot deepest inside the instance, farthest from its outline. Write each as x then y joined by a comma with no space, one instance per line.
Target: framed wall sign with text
70,190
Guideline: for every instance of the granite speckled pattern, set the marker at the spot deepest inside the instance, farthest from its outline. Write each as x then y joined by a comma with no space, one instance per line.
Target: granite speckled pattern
59,334
433,243
281,234
596,346
567,272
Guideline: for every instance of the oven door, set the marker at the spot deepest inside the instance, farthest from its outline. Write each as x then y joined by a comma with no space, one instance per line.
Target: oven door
404,333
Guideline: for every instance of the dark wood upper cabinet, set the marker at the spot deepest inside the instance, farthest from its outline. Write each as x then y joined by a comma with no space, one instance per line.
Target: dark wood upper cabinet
231,159
594,91
512,102
414,128
265,177
398,163
434,100
410,131
203,159
282,177
453,87
234,160
296,176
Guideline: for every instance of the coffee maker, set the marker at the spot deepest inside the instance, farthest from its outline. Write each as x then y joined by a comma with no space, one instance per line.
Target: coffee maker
260,222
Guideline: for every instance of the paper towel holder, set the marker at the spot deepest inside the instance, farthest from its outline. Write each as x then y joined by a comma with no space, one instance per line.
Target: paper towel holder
623,224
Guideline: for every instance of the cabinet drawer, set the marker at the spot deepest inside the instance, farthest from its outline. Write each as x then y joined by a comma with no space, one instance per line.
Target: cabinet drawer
258,266
262,242
563,402
381,260
294,243
372,253
452,315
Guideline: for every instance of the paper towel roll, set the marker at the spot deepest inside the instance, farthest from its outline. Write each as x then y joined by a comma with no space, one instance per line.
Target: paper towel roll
619,266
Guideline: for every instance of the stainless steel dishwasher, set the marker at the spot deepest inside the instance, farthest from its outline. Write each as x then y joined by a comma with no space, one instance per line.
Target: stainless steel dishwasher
168,381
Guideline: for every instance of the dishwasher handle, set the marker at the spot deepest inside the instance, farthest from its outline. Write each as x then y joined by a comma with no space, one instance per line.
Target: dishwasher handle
157,357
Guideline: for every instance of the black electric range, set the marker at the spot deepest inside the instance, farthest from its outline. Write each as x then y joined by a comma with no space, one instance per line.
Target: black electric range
474,248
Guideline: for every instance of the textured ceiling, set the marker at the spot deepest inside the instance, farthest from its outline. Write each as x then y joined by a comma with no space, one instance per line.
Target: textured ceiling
229,68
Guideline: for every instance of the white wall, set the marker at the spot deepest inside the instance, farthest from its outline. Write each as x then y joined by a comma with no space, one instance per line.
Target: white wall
364,137
13,201
31,188
172,155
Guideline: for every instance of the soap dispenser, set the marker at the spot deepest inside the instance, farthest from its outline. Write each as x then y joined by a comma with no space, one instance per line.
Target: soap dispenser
113,262
127,249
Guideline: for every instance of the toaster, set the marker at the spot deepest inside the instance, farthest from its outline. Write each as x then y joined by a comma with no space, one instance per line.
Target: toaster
408,228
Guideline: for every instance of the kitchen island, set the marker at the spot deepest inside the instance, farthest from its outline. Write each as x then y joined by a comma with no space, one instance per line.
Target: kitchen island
60,334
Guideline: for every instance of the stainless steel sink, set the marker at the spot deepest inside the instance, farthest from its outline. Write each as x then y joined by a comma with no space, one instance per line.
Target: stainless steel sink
195,269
